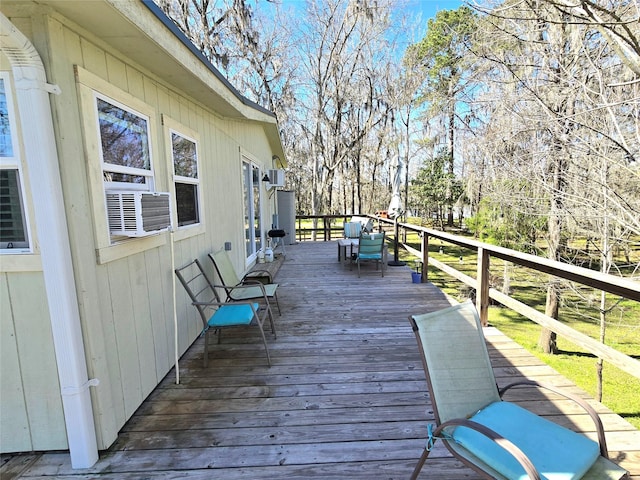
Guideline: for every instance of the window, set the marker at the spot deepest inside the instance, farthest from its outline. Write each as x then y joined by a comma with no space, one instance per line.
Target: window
124,142
183,161
184,153
120,142
14,235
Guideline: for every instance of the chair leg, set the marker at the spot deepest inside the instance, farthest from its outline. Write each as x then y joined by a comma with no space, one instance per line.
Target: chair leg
273,325
273,328
264,340
423,458
275,296
206,349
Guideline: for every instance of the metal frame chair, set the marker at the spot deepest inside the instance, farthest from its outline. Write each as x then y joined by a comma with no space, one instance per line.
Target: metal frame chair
216,314
240,288
463,387
371,249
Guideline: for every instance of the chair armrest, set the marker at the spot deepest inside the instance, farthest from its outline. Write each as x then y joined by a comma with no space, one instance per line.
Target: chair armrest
251,283
244,286
222,304
579,401
507,445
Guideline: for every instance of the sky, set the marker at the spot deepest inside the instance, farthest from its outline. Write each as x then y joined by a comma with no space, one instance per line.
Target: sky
428,8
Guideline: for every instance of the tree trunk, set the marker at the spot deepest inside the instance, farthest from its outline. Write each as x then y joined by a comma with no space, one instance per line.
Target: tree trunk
607,260
547,340
452,116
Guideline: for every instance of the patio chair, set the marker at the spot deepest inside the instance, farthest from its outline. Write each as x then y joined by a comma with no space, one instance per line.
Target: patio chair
370,249
367,223
216,315
352,229
496,438
251,289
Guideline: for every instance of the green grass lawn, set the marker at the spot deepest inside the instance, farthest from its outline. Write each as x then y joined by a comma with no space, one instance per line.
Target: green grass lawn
579,310
620,391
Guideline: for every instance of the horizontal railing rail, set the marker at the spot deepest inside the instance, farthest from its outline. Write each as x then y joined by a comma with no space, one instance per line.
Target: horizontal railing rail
327,227
623,287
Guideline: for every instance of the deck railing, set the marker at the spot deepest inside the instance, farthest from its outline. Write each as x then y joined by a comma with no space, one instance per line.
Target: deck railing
322,228
329,227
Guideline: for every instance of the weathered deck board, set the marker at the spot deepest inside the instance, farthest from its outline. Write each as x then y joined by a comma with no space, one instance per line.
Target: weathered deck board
345,397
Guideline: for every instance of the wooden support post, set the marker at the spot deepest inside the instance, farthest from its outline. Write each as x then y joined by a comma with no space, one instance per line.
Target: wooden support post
482,286
425,256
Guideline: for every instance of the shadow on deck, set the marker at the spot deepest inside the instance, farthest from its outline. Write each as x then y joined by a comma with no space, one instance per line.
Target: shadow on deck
346,395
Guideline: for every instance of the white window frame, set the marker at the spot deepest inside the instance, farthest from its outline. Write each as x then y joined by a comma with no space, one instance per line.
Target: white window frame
173,127
14,162
109,248
113,168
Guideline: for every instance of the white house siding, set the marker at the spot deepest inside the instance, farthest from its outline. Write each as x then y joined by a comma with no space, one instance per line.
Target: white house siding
31,407
125,298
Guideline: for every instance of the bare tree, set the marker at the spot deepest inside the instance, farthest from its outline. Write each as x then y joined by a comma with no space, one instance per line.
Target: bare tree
346,58
568,105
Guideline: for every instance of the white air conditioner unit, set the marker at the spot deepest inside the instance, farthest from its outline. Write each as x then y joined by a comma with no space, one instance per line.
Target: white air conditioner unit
137,214
276,178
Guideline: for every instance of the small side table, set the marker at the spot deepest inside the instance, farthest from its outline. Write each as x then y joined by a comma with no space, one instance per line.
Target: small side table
343,243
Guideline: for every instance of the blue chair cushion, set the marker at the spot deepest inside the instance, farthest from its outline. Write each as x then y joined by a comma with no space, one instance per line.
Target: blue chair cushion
370,256
232,314
557,452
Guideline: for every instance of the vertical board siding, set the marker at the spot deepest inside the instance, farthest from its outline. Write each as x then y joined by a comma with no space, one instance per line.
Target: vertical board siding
160,309
14,423
40,374
142,323
126,305
35,392
126,345
108,400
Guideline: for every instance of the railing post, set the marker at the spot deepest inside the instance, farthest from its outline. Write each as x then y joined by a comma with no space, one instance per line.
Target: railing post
482,286
425,256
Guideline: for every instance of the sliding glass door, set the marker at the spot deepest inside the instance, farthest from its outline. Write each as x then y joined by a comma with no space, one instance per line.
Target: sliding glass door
252,210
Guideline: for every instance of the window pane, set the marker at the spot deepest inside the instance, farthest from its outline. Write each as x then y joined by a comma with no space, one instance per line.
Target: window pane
13,232
256,208
187,204
6,147
124,137
122,177
185,162
246,197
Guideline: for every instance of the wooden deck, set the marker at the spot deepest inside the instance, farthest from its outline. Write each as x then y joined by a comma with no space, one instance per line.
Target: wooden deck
345,398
